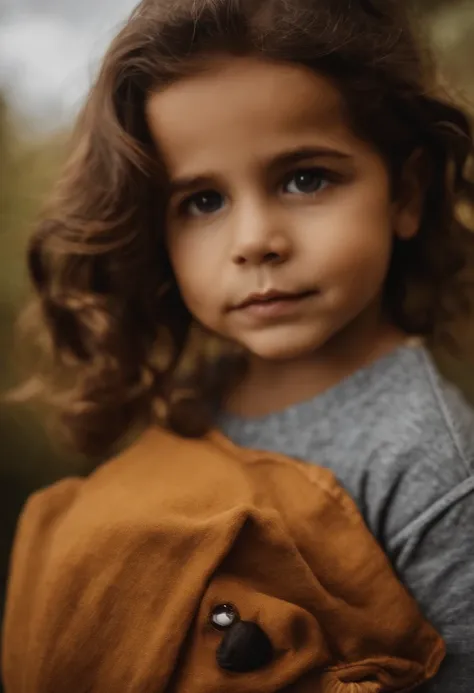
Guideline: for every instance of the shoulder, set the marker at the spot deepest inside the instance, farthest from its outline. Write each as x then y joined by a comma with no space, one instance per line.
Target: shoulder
427,421
418,454
435,412
427,513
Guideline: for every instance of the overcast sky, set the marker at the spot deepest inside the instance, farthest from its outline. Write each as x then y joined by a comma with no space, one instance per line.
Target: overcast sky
49,51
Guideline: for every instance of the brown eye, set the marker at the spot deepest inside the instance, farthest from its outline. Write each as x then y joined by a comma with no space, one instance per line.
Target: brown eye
224,616
203,203
306,182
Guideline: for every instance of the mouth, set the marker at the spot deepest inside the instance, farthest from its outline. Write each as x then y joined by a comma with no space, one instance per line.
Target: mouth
273,306
268,298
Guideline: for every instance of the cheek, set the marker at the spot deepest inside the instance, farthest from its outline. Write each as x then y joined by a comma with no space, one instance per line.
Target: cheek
359,235
363,254
193,267
353,252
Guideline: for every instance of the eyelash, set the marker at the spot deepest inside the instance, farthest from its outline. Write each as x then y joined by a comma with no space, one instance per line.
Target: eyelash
324,175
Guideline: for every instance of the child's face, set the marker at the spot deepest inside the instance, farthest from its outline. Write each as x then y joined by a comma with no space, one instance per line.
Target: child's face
280,220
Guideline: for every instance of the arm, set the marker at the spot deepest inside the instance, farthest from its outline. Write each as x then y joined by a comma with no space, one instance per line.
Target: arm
434,556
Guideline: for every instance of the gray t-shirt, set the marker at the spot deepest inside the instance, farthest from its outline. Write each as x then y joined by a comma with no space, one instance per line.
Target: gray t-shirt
400,439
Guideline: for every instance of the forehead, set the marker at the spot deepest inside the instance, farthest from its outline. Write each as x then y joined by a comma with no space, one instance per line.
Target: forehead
240,106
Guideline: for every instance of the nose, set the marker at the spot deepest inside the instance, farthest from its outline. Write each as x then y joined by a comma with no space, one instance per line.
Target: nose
245,648
260,237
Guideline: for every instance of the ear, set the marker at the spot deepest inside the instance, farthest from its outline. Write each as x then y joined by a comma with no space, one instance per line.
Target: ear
410,198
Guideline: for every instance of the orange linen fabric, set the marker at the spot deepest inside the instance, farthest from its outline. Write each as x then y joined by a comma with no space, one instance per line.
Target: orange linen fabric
113,579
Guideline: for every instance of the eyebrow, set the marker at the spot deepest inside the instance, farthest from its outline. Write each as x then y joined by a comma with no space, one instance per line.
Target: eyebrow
305,153
285,159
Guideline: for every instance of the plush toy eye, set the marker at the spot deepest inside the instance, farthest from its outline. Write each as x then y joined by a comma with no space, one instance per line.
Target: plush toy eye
223,616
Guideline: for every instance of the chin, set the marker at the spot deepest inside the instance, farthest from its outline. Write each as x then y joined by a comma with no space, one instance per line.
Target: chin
282,349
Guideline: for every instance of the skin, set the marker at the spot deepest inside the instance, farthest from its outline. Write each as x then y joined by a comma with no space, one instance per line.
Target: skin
270,189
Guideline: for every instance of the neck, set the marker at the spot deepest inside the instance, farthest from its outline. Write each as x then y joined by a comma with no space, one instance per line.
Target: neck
270,386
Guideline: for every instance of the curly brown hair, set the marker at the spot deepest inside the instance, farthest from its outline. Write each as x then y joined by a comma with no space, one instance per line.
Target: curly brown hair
111,322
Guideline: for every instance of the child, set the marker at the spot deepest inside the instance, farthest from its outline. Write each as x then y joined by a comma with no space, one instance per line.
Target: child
281,175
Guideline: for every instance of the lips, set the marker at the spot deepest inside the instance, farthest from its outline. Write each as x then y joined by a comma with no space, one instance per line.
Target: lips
268,297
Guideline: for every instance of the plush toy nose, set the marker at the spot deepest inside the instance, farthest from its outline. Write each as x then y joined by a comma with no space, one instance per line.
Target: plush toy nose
244,648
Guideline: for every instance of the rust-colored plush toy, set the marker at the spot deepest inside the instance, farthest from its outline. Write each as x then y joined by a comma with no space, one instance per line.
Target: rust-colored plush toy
198,567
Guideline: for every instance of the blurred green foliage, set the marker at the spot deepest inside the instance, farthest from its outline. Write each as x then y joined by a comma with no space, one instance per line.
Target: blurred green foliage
28,167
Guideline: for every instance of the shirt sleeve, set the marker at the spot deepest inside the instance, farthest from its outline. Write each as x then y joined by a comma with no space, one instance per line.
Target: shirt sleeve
434,557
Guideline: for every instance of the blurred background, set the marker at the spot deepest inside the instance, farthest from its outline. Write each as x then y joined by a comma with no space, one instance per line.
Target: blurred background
49,52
